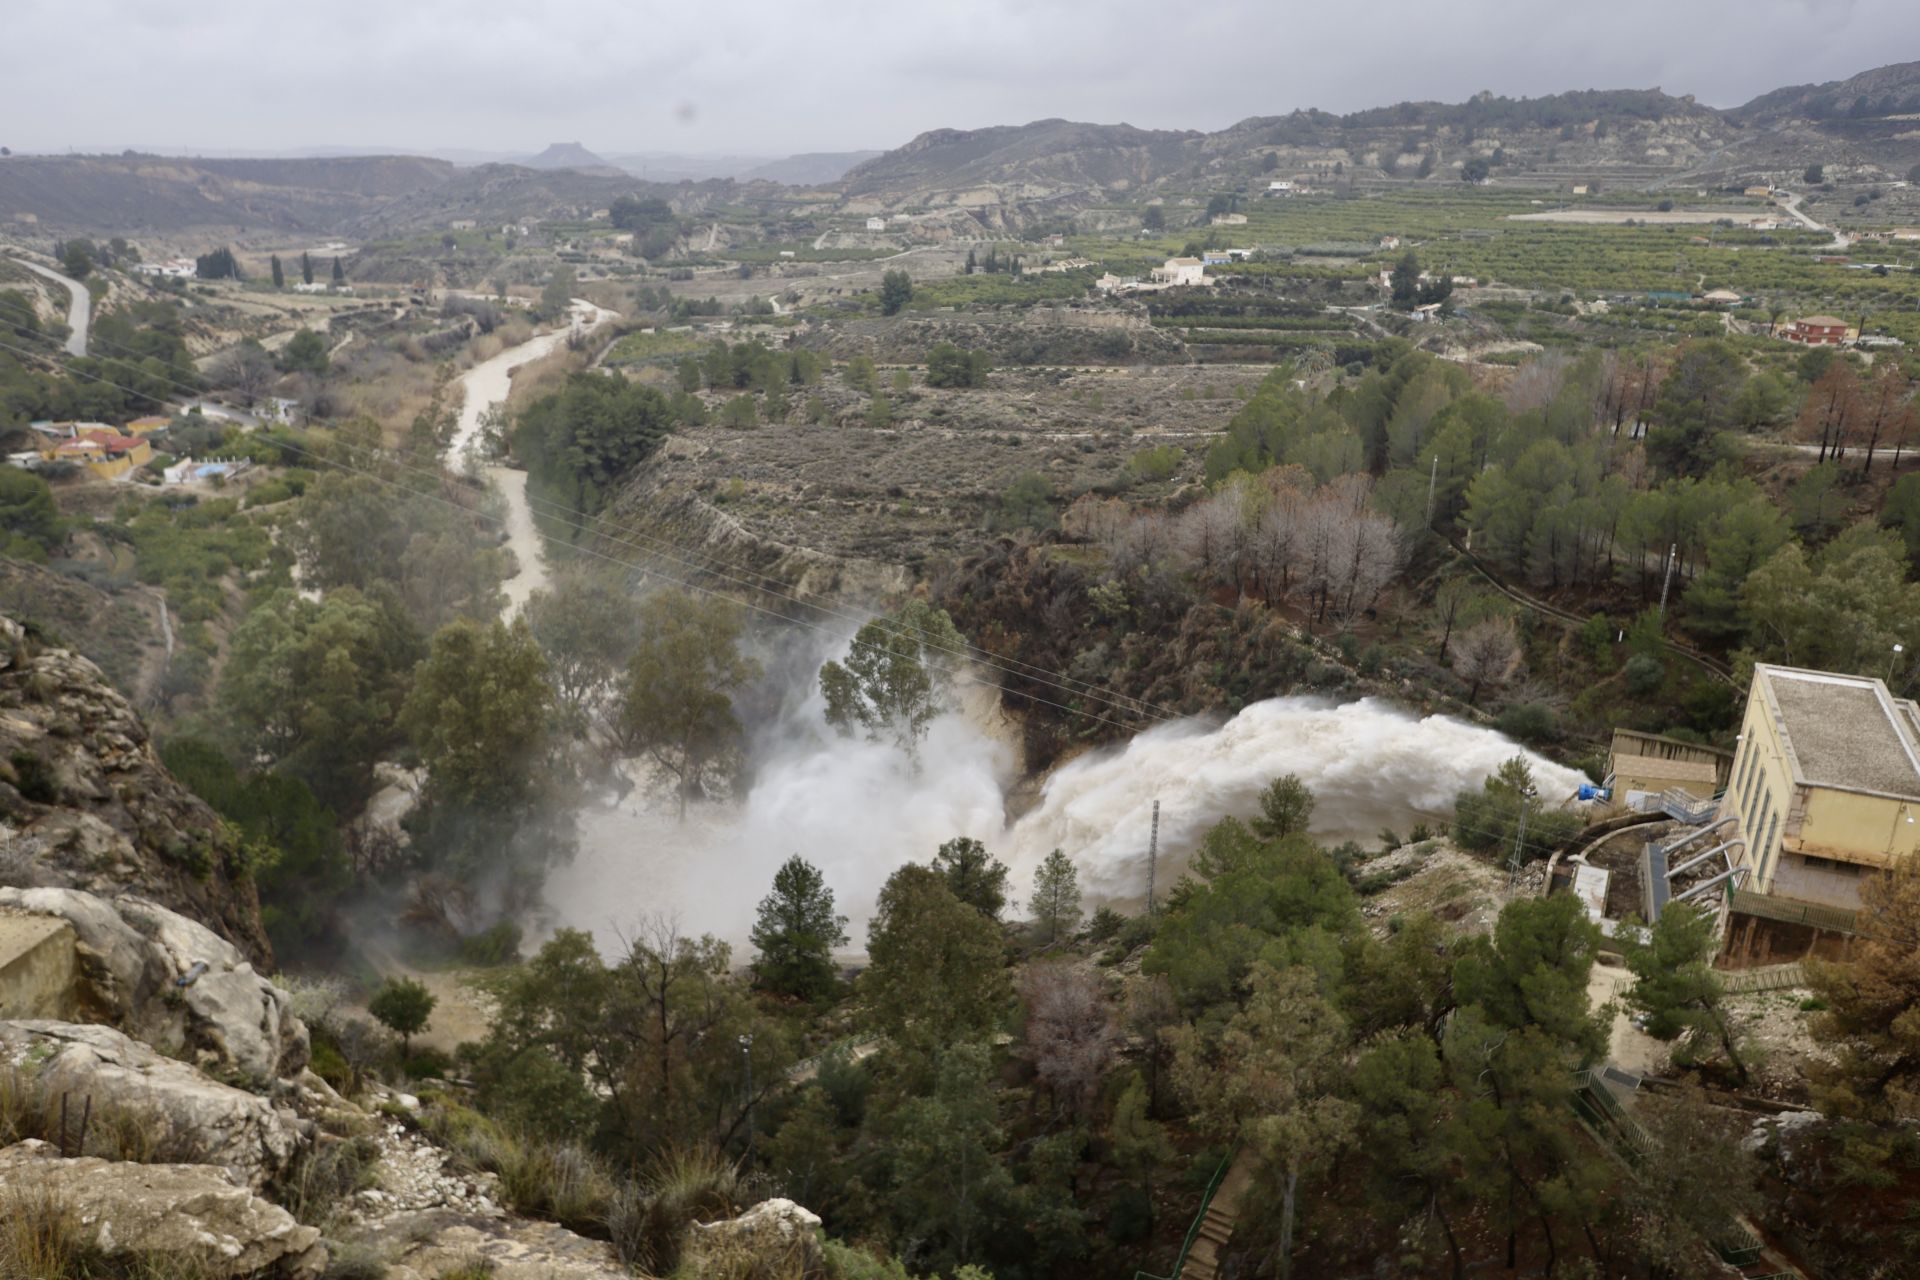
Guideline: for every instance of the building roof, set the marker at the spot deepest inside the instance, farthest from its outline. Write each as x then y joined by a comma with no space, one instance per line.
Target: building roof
1844,731
1822,322
1183,262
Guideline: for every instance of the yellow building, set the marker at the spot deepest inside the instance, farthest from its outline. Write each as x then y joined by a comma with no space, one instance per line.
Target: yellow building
147,426
1825,789
1640,766
106,454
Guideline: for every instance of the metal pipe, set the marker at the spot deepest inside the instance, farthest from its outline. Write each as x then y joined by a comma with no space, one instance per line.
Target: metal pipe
1736,874
1691,863
1690,837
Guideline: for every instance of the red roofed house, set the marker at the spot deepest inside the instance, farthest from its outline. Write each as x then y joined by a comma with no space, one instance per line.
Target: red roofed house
106,453
1817,331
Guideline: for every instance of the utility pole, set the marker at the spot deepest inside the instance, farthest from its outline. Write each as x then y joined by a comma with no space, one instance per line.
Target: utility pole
1432,478
1153,854
746,1051
1666,580
1519,843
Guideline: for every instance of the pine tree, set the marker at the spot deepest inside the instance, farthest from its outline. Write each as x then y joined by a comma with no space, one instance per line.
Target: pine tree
339,276
279,275
796,933
976,877
306,268
972,262
1056,895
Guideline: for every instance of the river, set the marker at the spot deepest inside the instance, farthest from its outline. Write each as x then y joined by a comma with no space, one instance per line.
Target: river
485,385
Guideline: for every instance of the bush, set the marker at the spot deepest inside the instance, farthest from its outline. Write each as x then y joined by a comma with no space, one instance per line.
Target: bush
493,947
1162,462
1530,722
317,1188
1645,675
684,1185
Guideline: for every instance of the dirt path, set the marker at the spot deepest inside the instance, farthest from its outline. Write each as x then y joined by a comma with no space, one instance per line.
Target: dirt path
485,385
1630,1048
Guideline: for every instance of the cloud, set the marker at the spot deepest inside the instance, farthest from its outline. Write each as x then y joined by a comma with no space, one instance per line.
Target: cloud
773,76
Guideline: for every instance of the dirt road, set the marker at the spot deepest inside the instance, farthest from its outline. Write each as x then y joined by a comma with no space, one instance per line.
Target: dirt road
79,309
485,385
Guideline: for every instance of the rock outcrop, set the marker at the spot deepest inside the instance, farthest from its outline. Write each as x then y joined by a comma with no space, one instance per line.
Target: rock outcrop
190,1214
187,1117
781,1237
134,955
86,804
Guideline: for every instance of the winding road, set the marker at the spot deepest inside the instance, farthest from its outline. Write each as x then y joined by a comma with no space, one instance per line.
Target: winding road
485,385
79,310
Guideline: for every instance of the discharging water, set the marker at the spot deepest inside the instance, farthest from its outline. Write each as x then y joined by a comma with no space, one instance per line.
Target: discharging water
855,810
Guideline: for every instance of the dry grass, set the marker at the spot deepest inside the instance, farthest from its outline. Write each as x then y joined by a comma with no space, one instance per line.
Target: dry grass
30,1108
557,1180
42,1238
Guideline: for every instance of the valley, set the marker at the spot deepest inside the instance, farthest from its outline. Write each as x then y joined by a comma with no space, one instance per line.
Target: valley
1319,697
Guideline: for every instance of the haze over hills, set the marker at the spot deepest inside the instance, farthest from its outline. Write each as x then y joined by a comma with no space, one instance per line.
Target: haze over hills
1859,128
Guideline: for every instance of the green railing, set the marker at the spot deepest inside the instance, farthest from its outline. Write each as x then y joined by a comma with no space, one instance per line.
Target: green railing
1206,1201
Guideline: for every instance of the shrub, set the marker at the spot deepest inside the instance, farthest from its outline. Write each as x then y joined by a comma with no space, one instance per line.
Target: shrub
493,947
683,1186
316,1189
1530,722
1162,462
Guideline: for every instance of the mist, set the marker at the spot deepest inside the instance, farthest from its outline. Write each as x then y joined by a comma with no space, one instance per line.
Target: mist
858,810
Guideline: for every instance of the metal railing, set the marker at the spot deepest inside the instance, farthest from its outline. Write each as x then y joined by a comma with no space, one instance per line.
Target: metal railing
1746,902
1206,1202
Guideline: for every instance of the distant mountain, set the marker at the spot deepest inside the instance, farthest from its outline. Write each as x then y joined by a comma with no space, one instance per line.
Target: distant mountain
810,169
1892,90
569,155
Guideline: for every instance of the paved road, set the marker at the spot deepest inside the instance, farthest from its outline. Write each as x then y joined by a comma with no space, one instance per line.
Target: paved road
79,310
1791,204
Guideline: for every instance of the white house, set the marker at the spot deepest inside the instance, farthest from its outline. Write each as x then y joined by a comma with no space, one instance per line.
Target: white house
1280,187
1181,271
463,224
1216,257
318,286
173,268
876,224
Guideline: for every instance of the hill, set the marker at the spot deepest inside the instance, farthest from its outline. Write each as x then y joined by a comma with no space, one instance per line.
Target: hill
569,155
810,169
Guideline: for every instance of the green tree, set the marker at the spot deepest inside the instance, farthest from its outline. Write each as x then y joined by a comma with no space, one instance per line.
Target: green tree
1286,807
1762,402
677,704
896,290
479,713
739,412
1400,1086
306,269
1489,819
585,623
1695,404
1901,512
952,366
1154,219
30,523
898,676
305,352
1056,896
578,442
404,1007
339,272
556,298
951,1182
1270,1082
313,688
76,259
796,932
879,412
1814,175
1676,987
1692,1185
1475,170
975,876
279,272
1027,503
1869,1029
1405,281
1532,974
1841,610
860,374
935,975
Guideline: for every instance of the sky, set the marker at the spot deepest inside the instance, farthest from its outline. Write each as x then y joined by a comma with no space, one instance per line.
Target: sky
773,77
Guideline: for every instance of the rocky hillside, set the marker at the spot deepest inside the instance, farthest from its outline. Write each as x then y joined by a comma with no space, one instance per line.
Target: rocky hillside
85,802
1629,136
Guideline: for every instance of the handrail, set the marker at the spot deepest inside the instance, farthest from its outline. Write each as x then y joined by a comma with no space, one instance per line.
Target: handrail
1206,1201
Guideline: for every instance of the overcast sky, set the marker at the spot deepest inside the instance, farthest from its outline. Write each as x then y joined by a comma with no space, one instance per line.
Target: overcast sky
769,77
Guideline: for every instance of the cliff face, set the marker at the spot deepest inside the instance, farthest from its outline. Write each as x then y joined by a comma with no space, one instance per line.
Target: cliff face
86,804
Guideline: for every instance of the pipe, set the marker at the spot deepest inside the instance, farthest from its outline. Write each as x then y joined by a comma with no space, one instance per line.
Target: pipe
1688,839
1693,862
1735,874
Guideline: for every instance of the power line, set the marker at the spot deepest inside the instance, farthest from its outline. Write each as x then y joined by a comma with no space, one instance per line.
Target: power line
555,511
1519,841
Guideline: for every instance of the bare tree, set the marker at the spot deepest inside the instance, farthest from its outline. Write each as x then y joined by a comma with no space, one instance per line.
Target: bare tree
1487,653
1095,519
246,370
1070,1030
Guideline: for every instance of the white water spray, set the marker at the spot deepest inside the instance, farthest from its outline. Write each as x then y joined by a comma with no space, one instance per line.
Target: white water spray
856,811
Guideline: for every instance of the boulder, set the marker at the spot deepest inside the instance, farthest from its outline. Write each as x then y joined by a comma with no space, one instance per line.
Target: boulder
432,1244
87,803
778,1235
187,1117
134,954
192,1215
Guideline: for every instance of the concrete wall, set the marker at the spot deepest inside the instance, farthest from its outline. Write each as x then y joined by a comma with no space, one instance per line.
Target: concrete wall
39,968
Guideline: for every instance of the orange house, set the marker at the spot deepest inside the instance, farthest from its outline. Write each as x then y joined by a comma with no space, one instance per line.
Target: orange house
1818,331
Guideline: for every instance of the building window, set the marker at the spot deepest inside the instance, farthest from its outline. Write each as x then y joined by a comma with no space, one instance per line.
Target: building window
1768,852
1830,864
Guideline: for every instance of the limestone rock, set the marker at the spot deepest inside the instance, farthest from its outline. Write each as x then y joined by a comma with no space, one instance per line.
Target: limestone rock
514,1249
133,953
195,1213
87,803
773,1231
219,1124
